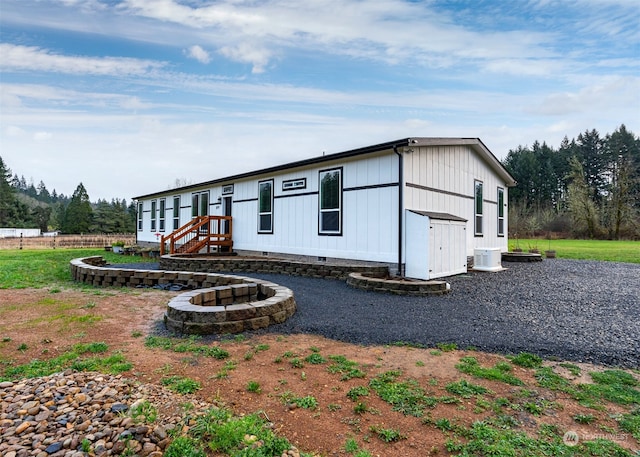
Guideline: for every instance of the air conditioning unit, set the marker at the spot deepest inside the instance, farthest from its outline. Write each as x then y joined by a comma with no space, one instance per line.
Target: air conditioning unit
487,259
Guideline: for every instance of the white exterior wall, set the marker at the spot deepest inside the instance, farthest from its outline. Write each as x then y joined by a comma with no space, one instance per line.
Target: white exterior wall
441,179
369,212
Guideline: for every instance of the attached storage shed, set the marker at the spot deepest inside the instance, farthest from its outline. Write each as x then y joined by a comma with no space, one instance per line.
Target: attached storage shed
419,205
438,244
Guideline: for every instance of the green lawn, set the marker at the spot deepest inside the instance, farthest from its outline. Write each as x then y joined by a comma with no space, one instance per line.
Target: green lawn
20,269
614,251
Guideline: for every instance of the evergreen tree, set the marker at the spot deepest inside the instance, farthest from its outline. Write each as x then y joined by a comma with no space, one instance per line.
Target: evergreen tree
43,193
78,214
7,197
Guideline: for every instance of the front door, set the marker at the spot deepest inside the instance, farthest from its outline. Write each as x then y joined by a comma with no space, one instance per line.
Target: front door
226,211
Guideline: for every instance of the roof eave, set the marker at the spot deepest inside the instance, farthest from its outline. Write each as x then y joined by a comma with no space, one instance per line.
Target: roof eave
290,165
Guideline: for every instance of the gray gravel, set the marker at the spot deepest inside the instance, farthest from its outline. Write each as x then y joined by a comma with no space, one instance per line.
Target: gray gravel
583,311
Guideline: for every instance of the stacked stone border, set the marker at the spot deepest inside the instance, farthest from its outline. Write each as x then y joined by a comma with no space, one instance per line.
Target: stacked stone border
220,303
241,264
521,257
398,286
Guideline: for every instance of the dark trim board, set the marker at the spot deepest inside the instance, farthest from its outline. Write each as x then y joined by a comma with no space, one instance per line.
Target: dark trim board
301,194
439,191
372,186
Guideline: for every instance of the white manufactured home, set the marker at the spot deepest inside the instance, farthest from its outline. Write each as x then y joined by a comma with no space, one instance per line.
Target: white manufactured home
421,205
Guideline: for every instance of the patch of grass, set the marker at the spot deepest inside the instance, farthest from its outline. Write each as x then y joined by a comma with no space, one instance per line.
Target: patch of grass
484,438
360,408
584,418
184,446
616,386
388,435
447,347
315,359
630,422
347,368
527,360
573,369
228,366
45,268
465,389
351,445
356,392
499,372
73,358
606,250
296,363
186,345
113,364
181,384
308,402
248,436
144,412
406,397
261,348
254,387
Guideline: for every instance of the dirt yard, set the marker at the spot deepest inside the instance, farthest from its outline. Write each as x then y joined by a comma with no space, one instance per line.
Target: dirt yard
40,324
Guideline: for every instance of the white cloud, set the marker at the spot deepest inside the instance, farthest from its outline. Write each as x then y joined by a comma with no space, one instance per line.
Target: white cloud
42,136
198,53
32,58
256,55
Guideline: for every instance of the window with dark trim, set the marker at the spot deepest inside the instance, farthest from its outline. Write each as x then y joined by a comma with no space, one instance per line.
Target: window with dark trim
163,210
176,212
330,202
478,208
154,215
500,211
139,216
200,204
265,206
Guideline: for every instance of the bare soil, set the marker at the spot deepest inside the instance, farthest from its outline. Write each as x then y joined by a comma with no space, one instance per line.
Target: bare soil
50,322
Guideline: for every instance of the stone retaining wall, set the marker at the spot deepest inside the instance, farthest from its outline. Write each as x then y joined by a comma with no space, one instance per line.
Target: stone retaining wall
220,303
398,286
258,265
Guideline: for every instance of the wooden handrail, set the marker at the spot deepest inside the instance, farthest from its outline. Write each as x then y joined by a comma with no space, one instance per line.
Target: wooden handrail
206,230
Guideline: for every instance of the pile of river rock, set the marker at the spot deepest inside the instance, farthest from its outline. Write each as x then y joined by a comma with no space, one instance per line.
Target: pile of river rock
79,414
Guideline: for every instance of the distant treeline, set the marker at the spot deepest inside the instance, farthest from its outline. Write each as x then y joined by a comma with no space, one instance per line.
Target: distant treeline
587,188
25,205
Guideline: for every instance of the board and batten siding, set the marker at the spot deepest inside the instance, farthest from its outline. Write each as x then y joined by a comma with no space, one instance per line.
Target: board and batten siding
441,179
369,211
369,206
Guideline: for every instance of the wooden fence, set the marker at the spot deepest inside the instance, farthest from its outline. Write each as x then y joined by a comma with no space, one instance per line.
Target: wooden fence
94,240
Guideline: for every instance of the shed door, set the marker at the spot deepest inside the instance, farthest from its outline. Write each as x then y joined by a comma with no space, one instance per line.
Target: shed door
448,248
417,246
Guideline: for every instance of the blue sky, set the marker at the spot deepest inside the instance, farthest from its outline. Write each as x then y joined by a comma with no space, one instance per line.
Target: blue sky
132,96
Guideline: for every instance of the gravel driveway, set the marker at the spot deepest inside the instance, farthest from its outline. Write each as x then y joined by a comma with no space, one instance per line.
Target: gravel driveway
578,310
575,310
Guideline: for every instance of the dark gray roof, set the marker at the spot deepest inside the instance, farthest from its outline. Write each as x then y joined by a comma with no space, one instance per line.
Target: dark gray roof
475,143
